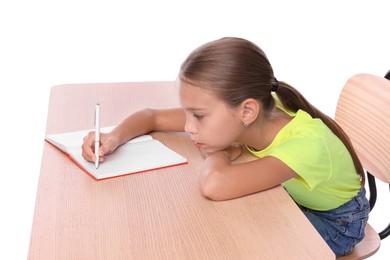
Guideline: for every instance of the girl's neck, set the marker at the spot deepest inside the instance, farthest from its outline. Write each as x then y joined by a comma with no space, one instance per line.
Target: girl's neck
263,131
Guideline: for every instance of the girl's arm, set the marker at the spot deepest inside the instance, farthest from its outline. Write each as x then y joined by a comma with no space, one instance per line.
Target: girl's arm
222,180
148,120
136,124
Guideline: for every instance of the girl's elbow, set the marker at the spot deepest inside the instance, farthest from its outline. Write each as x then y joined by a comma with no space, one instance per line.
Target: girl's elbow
211,187
208,192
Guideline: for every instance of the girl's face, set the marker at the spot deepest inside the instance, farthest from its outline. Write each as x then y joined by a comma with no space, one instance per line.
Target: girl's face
213,125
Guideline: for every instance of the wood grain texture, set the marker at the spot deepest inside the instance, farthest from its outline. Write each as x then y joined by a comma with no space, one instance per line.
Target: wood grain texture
158,214
363,111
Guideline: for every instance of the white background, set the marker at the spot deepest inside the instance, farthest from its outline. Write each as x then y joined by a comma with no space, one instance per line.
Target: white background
315,46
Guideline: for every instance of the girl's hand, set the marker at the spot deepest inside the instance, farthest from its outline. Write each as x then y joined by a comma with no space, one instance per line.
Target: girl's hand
108,143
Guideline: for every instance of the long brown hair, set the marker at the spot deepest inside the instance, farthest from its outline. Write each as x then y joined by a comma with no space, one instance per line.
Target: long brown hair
236,69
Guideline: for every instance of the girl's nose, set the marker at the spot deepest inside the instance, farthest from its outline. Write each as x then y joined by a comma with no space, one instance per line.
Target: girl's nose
189,127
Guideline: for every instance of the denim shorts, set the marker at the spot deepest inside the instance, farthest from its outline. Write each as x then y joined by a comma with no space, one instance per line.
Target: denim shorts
343,227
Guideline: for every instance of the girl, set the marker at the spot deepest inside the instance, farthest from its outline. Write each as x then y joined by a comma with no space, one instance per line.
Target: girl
229,95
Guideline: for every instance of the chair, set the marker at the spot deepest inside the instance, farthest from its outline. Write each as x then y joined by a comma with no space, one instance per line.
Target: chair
363,111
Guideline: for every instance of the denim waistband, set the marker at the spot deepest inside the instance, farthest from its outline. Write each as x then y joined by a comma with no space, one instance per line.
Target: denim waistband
356,208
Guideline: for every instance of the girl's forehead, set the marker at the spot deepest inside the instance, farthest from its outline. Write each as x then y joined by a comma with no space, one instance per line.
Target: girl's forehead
196,97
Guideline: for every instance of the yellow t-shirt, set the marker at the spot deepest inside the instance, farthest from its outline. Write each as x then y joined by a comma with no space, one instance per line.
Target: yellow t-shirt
327,176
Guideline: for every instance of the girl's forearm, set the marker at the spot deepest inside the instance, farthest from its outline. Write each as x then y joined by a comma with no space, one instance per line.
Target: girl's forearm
147,120
136,124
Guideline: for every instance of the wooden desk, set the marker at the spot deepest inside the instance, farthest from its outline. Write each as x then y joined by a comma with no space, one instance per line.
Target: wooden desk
153,215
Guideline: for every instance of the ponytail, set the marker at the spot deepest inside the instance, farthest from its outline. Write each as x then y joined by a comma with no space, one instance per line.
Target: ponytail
293,100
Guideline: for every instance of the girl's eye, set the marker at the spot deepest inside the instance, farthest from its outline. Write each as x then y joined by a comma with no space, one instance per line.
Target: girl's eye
198,116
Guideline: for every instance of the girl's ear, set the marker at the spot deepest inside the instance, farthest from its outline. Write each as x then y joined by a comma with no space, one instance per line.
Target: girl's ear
250,110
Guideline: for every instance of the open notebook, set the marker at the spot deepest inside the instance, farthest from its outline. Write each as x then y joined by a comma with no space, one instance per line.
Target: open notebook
138,155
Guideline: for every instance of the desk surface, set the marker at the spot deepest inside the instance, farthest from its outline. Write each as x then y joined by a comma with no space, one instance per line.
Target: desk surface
154,215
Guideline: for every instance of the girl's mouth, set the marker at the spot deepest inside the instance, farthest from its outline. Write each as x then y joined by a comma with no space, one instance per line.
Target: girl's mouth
198,145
